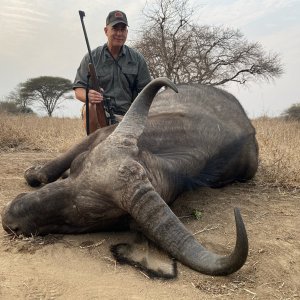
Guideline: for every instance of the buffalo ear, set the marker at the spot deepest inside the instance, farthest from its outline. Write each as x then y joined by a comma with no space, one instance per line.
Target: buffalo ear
145,256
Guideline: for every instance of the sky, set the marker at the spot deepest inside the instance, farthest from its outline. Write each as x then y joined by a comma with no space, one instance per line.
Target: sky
45,38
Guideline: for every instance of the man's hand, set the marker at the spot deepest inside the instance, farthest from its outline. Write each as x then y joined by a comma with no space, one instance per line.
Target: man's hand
95,97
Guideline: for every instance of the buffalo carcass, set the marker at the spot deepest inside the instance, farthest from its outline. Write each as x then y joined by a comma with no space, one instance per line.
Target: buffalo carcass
199,136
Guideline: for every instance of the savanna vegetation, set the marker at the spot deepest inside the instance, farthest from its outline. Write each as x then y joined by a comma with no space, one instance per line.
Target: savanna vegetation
47,92
279,143
177,46
27,133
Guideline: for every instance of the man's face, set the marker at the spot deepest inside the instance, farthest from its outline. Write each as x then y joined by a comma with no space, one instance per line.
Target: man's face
116,35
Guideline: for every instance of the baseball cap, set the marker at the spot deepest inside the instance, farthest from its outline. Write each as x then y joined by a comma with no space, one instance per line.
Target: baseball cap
115,17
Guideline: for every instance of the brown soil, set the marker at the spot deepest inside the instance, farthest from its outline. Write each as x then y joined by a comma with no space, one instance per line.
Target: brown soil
81,266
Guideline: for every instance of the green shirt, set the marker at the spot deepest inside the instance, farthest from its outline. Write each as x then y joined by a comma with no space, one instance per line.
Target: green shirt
112,78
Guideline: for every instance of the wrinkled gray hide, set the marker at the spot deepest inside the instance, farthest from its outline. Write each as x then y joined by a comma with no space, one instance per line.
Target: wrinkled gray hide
199,136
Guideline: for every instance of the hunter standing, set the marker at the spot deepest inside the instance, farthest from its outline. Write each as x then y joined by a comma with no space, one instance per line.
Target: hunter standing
122,71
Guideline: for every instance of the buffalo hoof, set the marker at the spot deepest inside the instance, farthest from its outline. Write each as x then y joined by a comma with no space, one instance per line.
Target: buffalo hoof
32,176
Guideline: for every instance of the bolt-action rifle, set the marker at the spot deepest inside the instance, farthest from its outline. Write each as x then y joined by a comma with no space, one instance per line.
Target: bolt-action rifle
95,84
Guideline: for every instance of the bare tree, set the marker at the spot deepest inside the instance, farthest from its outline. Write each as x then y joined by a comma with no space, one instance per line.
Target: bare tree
185,52
166,39
20,98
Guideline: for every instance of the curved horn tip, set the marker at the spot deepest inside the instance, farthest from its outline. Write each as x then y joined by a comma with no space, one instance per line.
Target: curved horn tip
241,229
172,85
237,214
237,211
167,82
238,219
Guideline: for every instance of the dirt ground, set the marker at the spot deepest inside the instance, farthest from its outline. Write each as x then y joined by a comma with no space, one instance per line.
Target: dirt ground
81,266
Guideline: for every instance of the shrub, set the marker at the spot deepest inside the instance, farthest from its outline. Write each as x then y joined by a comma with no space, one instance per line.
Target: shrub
13,108
293,113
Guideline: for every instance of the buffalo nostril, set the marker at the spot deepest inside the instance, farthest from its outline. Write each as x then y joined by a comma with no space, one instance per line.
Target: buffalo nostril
14,229
10,229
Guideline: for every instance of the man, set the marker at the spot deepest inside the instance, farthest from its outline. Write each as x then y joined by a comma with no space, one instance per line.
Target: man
122,71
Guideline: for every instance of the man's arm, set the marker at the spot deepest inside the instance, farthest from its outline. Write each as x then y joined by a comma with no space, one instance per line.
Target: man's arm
94,96
80,81
80,94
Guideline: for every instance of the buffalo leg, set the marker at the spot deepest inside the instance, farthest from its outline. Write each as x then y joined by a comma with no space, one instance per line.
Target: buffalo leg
55,168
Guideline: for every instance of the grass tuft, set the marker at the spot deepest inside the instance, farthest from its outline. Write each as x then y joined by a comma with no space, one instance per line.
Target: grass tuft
279,152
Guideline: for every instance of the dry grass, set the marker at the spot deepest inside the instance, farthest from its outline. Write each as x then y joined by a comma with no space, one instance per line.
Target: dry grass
41,134
279,143
279,146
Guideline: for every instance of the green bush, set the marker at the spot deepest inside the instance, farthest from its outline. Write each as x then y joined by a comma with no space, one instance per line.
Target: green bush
293,113
12,108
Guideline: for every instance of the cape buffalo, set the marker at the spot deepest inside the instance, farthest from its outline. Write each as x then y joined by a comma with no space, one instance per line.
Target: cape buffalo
199,136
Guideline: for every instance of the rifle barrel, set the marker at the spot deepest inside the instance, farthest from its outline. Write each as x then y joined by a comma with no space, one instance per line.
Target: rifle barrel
82,15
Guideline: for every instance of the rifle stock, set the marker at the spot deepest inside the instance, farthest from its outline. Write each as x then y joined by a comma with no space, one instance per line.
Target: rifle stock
95,84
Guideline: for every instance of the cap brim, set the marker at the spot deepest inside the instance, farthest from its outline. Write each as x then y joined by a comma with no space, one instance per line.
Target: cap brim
117,22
